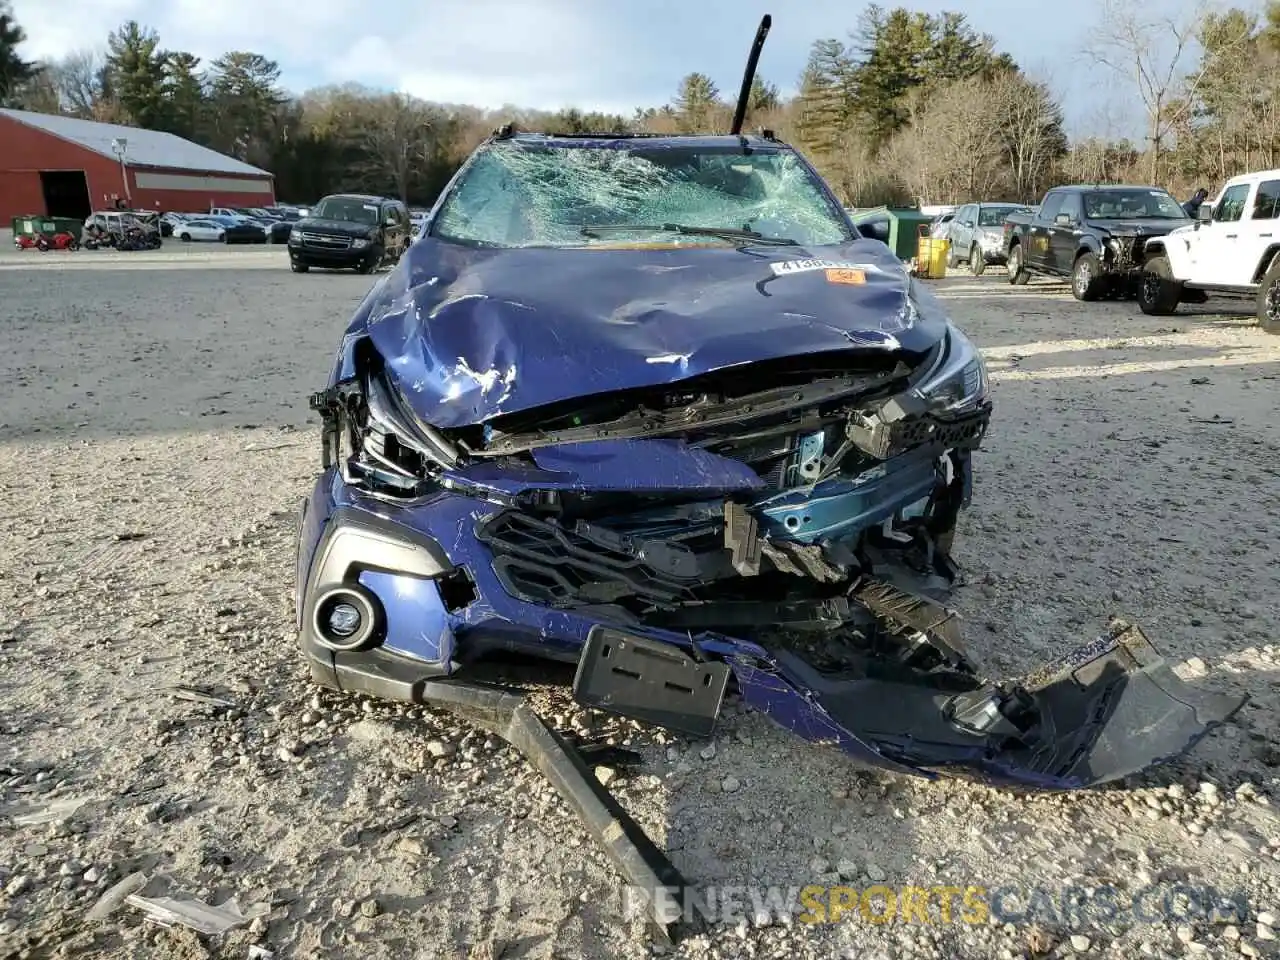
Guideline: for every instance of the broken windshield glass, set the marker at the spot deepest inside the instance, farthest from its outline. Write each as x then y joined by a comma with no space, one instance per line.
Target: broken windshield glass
517,195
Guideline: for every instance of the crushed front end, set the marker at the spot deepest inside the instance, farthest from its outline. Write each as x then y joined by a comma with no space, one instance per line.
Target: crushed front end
782,525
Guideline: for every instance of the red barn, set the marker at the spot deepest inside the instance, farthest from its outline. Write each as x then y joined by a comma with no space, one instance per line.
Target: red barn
63,166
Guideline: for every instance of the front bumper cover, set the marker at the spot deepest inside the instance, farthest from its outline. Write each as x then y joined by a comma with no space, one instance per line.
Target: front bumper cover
1106,710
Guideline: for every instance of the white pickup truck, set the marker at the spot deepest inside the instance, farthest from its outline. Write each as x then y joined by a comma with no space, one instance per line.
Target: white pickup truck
1232,249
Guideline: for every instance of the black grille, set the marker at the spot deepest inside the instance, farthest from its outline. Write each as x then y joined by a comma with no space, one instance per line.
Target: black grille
324,241
542,561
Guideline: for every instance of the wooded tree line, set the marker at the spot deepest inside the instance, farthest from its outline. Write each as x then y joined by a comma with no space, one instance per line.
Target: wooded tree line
911,106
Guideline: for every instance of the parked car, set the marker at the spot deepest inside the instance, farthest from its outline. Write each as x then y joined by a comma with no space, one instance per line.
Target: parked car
350,231
202,228
237,229
652,406
1094,235
170,220
243,215
1232,249
977,235
280,231
285,212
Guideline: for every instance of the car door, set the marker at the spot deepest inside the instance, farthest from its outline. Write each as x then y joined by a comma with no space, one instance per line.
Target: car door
962,229
1064,237
1259,232
1037,252
1215,243
400,227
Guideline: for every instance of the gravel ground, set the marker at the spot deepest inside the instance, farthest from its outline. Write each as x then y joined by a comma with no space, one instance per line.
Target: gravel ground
156,444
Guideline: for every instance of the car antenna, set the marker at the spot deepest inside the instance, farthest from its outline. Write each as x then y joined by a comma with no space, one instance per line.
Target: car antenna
744,95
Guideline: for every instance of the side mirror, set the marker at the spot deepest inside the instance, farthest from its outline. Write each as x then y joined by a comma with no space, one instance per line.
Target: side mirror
1205,213
879,230
1063,219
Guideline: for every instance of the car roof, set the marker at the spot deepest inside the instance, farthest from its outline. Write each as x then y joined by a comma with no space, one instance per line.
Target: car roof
1259,175
1111,186
658,141
367,197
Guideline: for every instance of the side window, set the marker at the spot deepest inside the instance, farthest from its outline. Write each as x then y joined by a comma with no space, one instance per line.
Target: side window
1231,207
1266,205
1052,207
1072,207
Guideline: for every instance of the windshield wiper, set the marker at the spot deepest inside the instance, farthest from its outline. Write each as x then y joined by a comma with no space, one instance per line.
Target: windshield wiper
728,233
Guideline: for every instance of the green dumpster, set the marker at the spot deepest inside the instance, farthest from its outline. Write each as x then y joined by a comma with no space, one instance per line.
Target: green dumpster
32,225
899,227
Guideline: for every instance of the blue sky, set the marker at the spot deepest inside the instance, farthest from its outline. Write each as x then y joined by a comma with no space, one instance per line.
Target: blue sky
604,54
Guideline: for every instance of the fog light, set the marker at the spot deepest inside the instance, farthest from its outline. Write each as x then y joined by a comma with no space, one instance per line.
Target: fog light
345,618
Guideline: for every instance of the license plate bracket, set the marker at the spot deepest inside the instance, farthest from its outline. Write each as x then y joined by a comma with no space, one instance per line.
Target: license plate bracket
650,681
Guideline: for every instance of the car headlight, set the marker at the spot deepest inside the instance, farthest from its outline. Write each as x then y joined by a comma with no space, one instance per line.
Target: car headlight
359,244
295,240
958,381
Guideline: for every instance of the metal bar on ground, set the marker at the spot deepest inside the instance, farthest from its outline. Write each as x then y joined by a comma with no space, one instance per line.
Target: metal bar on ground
637,858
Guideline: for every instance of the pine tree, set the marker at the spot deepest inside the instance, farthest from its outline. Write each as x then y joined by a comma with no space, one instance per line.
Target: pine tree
15,72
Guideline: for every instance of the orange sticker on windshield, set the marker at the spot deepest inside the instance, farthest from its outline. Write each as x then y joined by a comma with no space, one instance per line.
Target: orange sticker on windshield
846,276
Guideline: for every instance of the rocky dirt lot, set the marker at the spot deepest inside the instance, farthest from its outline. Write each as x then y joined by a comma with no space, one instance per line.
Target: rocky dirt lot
156,444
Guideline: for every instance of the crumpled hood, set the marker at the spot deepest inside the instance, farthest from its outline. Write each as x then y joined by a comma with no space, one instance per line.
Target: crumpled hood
469,334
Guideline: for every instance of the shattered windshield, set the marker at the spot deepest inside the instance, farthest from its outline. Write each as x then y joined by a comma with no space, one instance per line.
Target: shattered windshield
350,209
995,216
517,195
1132,205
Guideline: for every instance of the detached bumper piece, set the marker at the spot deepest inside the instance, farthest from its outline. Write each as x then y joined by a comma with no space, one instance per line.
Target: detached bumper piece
1109,709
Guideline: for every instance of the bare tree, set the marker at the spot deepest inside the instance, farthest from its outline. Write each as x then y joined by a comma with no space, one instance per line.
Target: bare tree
396,133
79,80
1151,48
951,149
1030,126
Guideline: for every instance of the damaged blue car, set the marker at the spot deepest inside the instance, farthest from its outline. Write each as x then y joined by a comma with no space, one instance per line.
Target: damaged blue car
651,406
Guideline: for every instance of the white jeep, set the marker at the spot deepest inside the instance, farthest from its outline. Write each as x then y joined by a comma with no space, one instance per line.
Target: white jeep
1233,249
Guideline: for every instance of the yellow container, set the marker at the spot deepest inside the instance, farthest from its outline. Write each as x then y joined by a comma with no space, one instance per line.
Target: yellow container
931,256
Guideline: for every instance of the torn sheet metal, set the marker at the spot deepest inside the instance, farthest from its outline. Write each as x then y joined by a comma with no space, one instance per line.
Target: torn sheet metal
507,330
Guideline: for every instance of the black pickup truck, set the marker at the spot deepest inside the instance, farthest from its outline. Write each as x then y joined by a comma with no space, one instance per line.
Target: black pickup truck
1093,234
